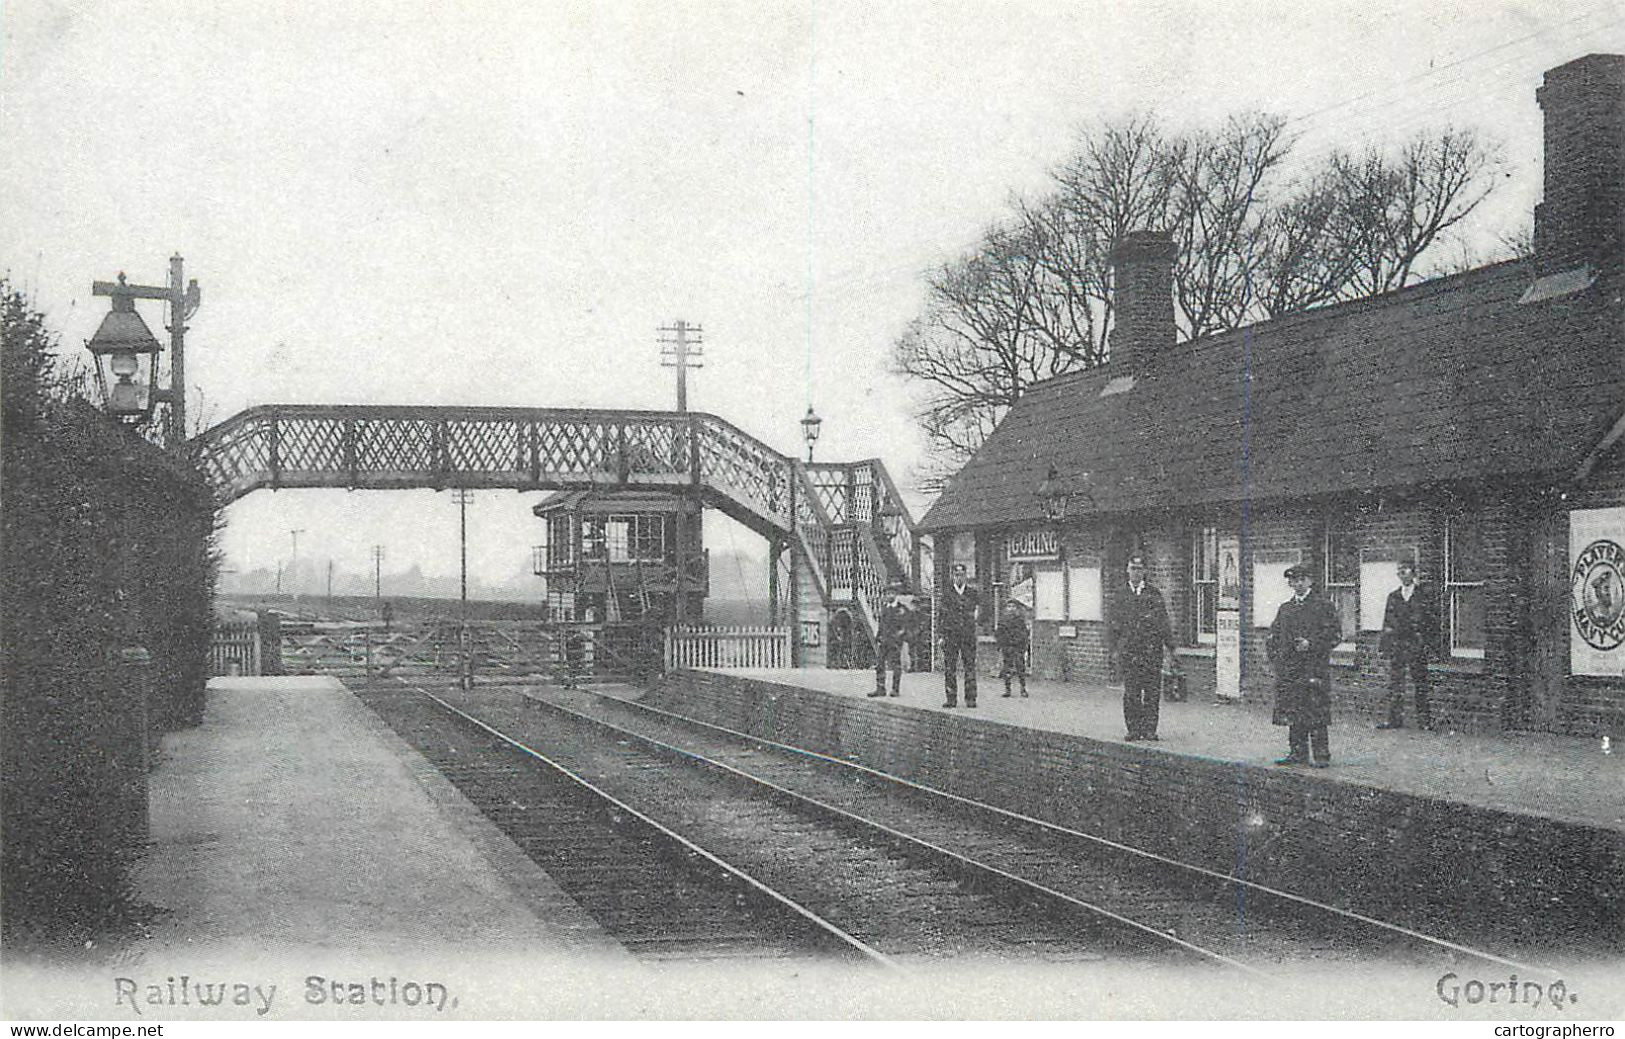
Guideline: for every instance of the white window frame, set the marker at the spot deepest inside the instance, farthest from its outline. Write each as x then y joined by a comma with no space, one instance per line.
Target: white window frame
1344,588
1451,586
1204,582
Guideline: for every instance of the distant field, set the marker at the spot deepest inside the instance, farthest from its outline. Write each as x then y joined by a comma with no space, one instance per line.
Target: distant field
405,609
409,610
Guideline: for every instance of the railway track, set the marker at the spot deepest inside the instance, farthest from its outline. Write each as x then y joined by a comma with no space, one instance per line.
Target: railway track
659,895
887,900
1210,915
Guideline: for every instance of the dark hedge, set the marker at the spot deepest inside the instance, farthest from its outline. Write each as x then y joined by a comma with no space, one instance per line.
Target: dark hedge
108,545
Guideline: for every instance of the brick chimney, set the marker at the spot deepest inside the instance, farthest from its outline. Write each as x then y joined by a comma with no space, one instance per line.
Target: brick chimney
1581,221
1143,263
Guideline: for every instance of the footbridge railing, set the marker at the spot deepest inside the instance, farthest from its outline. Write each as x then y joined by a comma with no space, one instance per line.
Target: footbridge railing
398,447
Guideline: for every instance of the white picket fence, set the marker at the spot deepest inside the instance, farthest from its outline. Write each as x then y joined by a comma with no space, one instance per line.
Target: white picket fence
727,647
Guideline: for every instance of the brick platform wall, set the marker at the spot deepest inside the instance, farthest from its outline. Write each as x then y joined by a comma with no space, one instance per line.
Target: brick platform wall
1442,867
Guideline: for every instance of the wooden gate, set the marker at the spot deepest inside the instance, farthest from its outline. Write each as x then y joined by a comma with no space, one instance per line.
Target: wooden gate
235,649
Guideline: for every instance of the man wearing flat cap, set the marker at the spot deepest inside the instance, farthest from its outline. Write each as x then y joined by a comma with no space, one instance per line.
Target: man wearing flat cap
1300,649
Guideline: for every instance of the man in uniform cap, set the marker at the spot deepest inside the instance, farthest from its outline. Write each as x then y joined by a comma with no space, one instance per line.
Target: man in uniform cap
1410,628
1135,640
1300,649
958,608
893,622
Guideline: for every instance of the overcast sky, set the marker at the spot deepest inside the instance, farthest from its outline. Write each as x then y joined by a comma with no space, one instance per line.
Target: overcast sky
402,201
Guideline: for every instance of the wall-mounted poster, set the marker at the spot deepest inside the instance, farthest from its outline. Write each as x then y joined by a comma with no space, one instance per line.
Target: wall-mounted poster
1378,577
1084,593
1270,588
1021,585
1049,602
1597,591
1229,573
1227,622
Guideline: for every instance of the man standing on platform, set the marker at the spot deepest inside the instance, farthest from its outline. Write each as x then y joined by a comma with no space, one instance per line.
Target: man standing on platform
1300,648
1014,638
956,617
1136,639
1410,626
893,624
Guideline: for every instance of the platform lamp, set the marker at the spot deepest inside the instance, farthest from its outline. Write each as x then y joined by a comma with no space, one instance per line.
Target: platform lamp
126,355
114,341
811,426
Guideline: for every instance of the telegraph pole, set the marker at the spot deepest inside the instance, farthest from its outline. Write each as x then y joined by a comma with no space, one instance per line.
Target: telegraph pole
463,496
293,567
682,347
377,574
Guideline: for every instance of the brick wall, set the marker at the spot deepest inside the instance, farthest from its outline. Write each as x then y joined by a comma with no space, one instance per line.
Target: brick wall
1510,877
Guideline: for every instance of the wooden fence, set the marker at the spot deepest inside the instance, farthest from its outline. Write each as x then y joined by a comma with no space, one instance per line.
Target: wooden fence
728,647
235,649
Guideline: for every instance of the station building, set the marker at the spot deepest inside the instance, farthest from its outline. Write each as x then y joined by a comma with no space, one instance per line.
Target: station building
1470,424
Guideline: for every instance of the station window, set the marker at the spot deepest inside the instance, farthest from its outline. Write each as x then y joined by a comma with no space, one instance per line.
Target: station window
1342,577
1464,584
1205,585
625,538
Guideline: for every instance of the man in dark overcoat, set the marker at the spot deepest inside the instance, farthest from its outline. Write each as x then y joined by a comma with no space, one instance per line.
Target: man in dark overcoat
1300,649
1136,639
1410,628
893,628
957,610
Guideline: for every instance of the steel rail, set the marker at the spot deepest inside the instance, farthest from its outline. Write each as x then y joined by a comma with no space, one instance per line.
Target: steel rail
821,925
967,866
1055,829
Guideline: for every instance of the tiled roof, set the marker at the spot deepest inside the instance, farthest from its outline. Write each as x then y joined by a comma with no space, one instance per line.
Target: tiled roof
1449,379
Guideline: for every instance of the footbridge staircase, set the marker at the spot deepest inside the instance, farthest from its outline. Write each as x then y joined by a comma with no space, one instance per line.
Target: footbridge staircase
846,530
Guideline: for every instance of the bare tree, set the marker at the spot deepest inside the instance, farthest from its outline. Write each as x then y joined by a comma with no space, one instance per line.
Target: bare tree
996,321
1218,216
1393,209
1300,263
1034,299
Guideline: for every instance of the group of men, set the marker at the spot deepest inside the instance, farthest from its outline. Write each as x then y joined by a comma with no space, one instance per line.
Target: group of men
958,610
1141,653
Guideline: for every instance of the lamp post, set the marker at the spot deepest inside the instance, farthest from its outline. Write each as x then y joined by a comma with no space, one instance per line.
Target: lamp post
123,339
464,642
811,426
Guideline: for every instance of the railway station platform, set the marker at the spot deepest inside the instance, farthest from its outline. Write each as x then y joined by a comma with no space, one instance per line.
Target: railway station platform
296,844
305,864
1516,839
